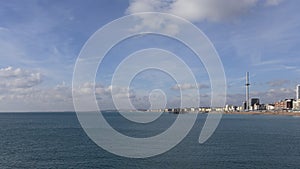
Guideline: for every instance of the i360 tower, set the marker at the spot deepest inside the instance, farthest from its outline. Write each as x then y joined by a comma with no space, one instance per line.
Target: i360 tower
247,91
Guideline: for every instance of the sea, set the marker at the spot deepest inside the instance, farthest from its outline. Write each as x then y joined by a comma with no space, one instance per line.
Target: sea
56,140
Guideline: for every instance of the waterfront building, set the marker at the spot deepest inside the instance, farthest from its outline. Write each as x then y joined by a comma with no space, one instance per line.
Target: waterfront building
298,92
218,109
240,108
296,105
270,107
259,107
256,106
230,108
254,101
244,107
286,104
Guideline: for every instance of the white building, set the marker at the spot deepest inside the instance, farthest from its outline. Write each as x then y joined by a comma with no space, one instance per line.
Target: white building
296,103
229,108
270,107
298,92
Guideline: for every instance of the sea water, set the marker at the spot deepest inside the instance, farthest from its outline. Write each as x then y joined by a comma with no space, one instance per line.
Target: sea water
56,140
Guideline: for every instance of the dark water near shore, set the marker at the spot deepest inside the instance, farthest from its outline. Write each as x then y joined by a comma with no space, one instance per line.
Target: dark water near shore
56,140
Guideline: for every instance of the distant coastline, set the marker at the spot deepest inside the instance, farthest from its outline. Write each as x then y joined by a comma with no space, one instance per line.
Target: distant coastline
282,113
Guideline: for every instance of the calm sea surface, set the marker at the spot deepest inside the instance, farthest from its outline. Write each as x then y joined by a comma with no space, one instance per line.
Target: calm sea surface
56,140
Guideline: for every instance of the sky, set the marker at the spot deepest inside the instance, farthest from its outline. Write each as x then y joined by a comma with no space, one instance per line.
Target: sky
40,41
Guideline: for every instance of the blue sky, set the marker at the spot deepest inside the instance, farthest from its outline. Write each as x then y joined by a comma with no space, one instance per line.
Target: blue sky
41,40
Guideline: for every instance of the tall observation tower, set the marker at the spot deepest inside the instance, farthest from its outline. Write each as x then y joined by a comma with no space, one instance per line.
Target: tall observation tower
247,91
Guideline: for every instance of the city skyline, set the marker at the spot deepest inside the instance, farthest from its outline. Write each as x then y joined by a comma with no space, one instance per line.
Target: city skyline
40,42
253,101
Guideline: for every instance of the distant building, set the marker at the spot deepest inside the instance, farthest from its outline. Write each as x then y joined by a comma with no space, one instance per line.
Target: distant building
298,92
296,105
289,104
240,108
218,109
280,105
256,106
259,107
254,101
270,107
230,108
244,107
286,104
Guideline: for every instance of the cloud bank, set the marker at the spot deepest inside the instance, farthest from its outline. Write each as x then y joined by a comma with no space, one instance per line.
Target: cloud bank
24,90
11,78
199,10
187,86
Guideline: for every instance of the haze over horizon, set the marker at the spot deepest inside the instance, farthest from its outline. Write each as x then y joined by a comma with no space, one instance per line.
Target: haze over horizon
40,42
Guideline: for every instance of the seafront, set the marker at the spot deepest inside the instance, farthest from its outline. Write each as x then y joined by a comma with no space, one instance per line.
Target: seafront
285,107
281,113
211,110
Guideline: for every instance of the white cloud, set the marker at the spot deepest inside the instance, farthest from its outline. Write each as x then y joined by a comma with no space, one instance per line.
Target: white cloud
11,78
57,98
21,90
187,86
273,95
199,10
269,96
273,2
104,91
212,10
162,24
278,83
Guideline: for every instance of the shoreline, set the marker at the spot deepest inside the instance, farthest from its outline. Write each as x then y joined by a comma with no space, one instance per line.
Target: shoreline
281,113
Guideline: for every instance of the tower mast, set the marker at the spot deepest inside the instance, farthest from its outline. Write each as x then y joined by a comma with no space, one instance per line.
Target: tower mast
247,91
